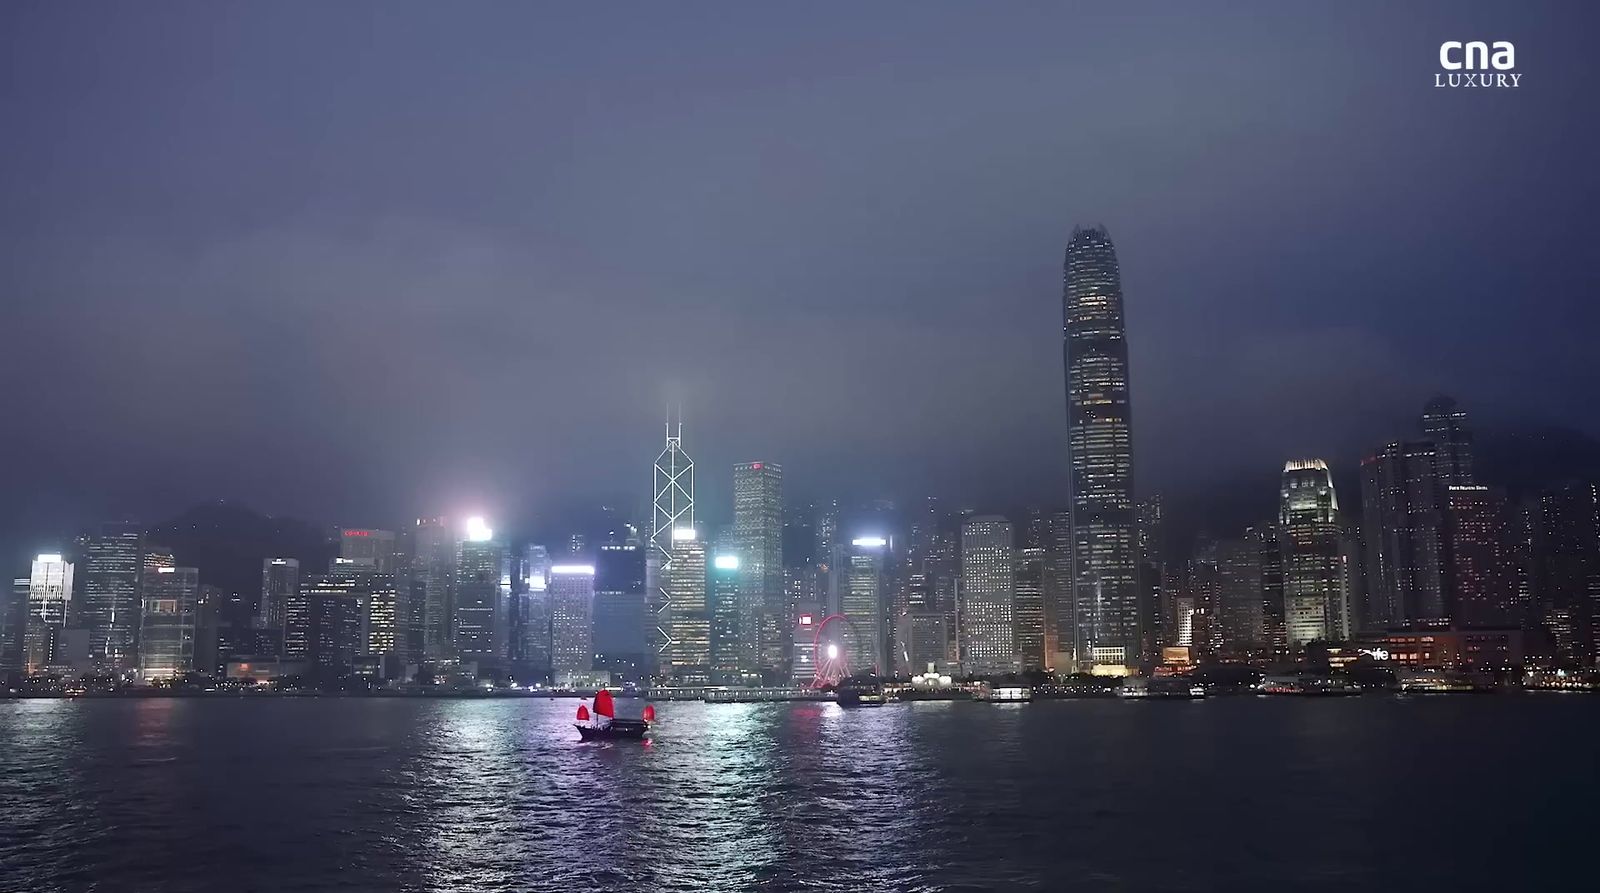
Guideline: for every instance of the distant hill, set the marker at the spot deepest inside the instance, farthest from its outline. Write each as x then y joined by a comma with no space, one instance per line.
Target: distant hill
228,543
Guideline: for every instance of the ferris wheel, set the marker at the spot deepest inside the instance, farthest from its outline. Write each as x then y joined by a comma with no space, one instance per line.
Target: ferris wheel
835,639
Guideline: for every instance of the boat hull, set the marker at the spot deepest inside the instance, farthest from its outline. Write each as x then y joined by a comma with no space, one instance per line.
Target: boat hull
619,730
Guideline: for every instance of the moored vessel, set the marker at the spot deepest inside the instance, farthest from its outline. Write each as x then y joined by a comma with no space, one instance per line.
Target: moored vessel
604,725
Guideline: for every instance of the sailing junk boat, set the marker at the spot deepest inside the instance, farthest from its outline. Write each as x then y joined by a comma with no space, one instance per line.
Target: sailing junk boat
604,724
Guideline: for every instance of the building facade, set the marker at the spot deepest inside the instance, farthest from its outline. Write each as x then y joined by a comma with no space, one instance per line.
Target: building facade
1401,498
758,538
168,627
1107,607
988,596
1315,607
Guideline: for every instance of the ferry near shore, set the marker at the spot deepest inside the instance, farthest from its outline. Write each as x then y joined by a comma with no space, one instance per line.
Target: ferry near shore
1306,685
1180,688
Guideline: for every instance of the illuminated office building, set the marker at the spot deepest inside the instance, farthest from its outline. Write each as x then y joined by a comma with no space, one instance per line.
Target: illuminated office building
1107,609
758,539
109,609
689,621
572,621
988,596
49,608
171,614
1315,605
732,649
1029,609
479,606
856,581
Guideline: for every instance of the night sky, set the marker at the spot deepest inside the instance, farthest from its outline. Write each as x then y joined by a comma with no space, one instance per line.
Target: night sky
360,262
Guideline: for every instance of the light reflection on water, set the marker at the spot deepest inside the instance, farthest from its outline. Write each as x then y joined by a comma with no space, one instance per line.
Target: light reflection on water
471,795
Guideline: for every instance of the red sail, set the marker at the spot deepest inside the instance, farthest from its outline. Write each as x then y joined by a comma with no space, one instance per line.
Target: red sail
603,706
649,713
583,711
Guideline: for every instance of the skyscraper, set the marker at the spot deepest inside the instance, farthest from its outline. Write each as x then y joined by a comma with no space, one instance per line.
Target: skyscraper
1314,601
171,612
1401,498
280,584
988,596
434,573
334,618
758,538
49,607
732,648
479,609
1030,608
1566,571
688,620
672,509
110,607
571,621
533,661
1240,619
620,614
1445,425
1479,579
857,592
1106,597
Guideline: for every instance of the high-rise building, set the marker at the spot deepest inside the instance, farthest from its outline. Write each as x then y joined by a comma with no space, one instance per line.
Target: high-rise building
758,539
374,549
377,594
1565,555
988,596
1445,425
572,621
732,648
327,624
688,619
109,578
621,616
1107,602
1241,621
280,585
1480,581
167,631
857,591
672,510
433,582
1401,499
529,650
49,608
1030,608
1314,600
479,606
13,619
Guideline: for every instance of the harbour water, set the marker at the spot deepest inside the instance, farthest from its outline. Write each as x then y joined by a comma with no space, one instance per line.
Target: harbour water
1240,793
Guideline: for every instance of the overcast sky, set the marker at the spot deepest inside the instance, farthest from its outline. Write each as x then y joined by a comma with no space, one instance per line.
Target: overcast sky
359,262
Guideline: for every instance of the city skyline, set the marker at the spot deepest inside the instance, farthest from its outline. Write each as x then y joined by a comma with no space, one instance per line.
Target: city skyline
903,266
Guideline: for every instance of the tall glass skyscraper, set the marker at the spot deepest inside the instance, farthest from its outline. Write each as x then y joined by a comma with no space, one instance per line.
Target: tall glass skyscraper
758,537
988,596
1106,602
1445,424
1314,602
111,605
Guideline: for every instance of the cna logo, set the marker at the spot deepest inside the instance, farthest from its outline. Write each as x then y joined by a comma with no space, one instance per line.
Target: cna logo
1468,64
